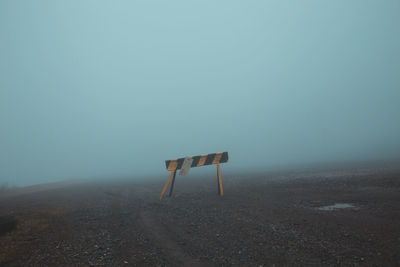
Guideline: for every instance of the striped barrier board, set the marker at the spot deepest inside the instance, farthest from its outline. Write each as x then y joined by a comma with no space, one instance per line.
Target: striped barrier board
198,161
207,159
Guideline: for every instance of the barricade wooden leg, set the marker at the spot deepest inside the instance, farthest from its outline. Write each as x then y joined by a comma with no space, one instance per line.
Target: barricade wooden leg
220,189
172,184
166,185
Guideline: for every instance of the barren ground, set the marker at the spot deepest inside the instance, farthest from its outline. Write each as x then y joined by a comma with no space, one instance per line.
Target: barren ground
265,219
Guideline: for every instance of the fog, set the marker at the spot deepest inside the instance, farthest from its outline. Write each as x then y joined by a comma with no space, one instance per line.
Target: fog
114,88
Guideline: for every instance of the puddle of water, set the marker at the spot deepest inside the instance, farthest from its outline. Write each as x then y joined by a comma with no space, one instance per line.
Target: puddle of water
337,206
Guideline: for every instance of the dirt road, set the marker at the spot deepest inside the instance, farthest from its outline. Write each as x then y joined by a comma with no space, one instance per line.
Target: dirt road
269,219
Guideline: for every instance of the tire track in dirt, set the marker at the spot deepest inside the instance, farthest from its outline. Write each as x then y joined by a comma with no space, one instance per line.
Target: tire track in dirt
170,248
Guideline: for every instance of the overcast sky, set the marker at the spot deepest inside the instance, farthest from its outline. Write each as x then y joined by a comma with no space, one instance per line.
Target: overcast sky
111,88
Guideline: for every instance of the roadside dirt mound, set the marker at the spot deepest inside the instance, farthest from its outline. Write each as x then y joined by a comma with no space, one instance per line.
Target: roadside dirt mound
7,224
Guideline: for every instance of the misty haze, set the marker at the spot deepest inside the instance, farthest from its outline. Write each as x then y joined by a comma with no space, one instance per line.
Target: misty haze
96,96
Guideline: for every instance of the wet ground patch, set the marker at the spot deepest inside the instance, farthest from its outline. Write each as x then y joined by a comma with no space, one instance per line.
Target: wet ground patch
337,206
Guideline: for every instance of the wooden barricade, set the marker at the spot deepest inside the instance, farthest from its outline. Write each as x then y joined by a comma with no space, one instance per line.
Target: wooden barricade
184,164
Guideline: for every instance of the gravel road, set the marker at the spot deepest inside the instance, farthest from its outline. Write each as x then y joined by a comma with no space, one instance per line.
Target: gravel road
346,218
